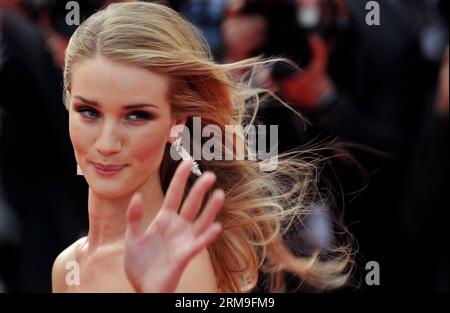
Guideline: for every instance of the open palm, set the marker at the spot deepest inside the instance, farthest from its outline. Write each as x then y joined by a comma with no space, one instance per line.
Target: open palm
156,258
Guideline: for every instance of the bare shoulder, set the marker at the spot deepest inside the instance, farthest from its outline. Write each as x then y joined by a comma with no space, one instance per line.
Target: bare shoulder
59,266
199,275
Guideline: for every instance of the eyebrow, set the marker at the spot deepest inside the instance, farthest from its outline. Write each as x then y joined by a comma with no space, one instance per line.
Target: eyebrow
128,106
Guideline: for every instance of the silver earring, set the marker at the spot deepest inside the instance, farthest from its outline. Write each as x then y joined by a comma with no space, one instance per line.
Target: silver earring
185,156
79,172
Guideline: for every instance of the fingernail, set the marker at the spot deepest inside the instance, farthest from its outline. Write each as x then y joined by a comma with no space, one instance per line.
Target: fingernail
209,173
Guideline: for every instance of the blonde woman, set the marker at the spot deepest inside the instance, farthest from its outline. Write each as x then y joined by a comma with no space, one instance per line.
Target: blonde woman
133,72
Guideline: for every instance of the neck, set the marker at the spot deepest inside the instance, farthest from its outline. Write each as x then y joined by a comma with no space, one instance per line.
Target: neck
107,217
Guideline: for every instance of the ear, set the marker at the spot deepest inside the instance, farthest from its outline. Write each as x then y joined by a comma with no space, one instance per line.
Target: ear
177,129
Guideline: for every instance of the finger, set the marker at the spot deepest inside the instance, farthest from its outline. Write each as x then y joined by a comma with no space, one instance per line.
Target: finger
134,216
206,238
177,185
208,215
319,53
194,200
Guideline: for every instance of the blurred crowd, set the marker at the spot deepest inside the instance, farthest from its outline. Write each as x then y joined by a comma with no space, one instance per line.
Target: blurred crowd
379,92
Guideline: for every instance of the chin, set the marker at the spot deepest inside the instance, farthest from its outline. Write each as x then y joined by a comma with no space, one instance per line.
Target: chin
109,192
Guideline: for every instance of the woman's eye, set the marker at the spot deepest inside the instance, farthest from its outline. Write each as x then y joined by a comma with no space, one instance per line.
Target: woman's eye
91,114
139,115
88,113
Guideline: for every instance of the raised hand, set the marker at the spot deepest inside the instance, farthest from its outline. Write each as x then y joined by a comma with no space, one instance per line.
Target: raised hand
156,258
308,87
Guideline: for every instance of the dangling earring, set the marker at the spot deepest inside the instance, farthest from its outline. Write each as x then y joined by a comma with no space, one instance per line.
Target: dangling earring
185,156
79,172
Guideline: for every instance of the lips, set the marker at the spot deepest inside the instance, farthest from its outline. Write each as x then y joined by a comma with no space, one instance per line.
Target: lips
108,169
111,168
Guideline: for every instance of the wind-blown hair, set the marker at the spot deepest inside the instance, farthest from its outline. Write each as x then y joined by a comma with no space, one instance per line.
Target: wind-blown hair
260,206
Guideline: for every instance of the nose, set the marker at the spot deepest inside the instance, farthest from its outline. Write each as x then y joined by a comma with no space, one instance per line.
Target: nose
108,142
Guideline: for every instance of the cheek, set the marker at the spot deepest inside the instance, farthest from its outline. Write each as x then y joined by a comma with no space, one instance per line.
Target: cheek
147,147
80,136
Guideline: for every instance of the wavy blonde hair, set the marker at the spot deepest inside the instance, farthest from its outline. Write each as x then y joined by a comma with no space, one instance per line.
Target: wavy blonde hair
260,206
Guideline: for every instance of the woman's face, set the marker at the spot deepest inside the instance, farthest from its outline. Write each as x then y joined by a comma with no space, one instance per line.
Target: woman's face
119,115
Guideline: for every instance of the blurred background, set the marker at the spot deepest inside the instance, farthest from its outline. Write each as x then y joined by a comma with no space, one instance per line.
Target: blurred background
376,84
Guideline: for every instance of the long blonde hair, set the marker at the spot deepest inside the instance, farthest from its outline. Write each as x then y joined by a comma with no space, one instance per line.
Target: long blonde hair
260,206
